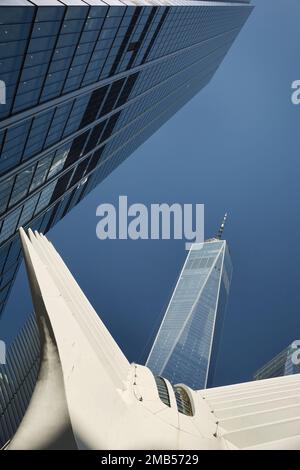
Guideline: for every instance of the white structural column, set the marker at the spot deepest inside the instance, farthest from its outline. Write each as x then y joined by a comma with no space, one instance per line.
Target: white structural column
88,396
261,414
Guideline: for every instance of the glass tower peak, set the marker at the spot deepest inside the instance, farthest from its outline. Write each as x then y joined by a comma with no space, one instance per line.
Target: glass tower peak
186,347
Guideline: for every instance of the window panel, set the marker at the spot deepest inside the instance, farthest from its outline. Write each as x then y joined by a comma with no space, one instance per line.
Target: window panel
41,44
12,49
9,225
76,12
21,185
41,172
45,197
14,144
26,100
14,253
16,14
28,210
38,133
66,40
37,58
5,190
48,13
31,73
45,28
58,161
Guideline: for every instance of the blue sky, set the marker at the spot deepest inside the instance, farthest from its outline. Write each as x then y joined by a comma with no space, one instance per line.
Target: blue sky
235,148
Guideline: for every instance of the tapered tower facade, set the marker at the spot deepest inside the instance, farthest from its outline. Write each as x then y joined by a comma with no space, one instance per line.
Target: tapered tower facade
187,344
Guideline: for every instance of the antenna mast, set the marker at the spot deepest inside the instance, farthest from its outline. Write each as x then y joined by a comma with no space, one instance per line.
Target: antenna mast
221,229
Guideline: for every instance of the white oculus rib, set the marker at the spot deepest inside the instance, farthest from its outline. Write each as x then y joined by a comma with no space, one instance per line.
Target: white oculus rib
88,396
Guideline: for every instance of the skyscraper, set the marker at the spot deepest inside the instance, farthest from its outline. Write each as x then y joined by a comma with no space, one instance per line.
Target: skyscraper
18,378
186,347
284,363
86,83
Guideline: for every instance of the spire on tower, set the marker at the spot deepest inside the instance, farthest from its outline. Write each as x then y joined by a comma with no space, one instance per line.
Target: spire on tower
221,229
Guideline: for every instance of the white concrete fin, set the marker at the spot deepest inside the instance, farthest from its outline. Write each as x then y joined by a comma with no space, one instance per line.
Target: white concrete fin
56,281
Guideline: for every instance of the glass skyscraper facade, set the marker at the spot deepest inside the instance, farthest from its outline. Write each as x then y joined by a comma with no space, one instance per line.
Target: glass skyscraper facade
87,82
18,378
285,363
186,347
